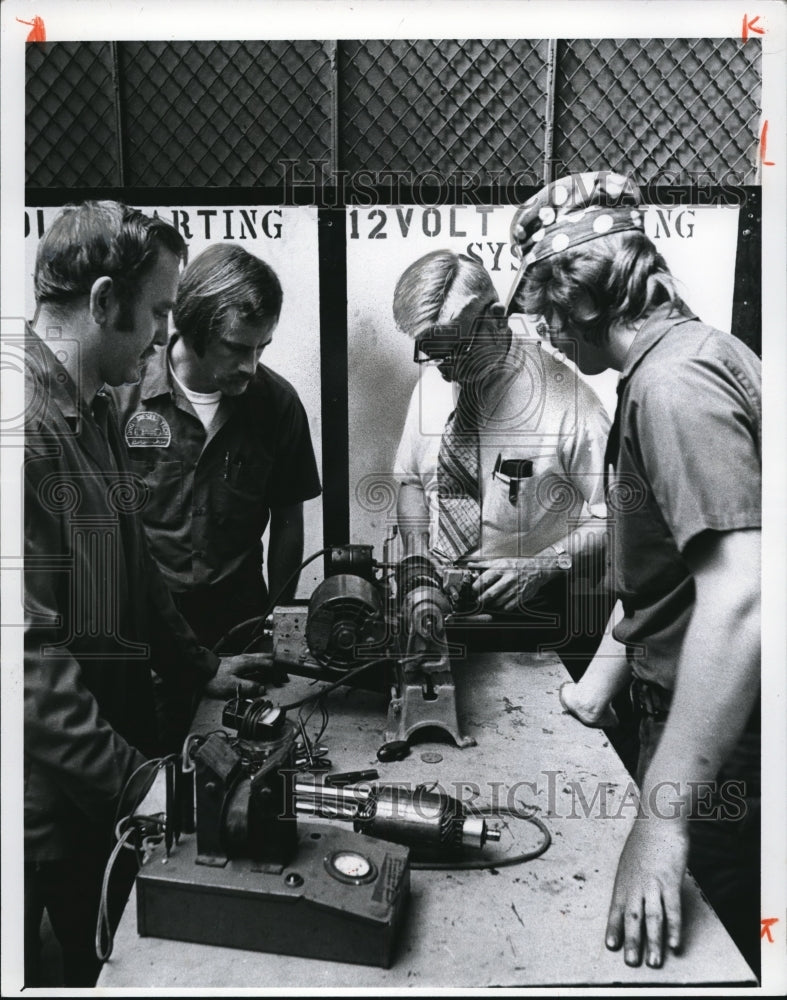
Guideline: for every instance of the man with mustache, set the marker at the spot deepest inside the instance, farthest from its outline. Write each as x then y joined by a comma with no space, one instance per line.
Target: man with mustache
223,443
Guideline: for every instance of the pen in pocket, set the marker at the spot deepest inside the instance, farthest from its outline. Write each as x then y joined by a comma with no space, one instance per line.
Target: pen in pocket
231,469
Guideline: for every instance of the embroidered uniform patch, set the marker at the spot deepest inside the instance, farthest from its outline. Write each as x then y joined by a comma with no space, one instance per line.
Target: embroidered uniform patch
148,430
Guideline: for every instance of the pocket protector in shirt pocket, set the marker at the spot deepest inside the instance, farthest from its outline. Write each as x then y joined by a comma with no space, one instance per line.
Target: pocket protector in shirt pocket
513,471
521,516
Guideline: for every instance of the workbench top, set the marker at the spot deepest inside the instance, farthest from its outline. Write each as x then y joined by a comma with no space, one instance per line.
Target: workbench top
540,923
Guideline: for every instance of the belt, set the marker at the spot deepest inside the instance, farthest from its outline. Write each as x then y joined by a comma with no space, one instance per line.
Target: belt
650,699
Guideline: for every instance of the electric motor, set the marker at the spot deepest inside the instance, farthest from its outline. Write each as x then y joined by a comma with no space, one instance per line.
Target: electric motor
345,619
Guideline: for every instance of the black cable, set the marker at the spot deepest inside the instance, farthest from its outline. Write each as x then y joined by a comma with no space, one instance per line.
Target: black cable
160,762
153,762
345,677
325,716
104,937
254,711
103,926
479,865
311,745
296,572
303,721
257,619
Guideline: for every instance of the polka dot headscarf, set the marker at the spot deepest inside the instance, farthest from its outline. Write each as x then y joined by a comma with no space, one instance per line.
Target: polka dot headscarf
570,211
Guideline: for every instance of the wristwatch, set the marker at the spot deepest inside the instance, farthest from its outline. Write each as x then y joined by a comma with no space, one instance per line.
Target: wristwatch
563,557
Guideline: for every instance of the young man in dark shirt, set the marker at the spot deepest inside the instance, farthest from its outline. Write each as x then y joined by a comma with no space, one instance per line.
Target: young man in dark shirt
223,443
99,616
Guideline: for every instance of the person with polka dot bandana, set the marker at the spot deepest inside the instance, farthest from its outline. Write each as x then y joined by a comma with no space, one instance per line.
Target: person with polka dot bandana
684,501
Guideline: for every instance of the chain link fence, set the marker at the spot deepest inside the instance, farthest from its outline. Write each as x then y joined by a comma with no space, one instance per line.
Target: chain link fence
71,121
202,114
226,114
658,109
442,107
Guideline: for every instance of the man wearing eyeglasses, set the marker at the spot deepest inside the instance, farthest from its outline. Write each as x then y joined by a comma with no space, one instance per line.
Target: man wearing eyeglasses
500,462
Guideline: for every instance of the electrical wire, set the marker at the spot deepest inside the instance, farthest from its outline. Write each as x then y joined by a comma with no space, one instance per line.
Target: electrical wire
303,721
159,762
344,678
295,573
256,708
258,619
479,864
129,825
156,762
104,936
186,761
318,704
325,719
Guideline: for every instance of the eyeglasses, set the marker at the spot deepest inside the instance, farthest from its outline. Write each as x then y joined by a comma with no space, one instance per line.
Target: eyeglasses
440,344
445,343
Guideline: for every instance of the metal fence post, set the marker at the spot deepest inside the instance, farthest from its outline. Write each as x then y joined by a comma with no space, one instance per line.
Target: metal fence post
549,112
119,131
333,50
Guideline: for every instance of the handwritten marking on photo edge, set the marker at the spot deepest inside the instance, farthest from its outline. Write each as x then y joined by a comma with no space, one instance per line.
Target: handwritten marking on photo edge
749,25
765,928
764,144
38,34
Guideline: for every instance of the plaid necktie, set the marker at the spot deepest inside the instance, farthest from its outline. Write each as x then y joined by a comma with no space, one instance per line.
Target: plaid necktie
458,488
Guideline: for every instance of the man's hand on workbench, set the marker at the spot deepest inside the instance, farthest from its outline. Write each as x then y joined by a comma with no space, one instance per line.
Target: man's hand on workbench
243,673
646,906
507,584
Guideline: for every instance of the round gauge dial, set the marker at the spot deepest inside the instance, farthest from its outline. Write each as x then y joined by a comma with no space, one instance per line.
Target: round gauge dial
351,866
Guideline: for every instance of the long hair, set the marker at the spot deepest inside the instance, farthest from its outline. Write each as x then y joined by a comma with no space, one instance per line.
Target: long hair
616,278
